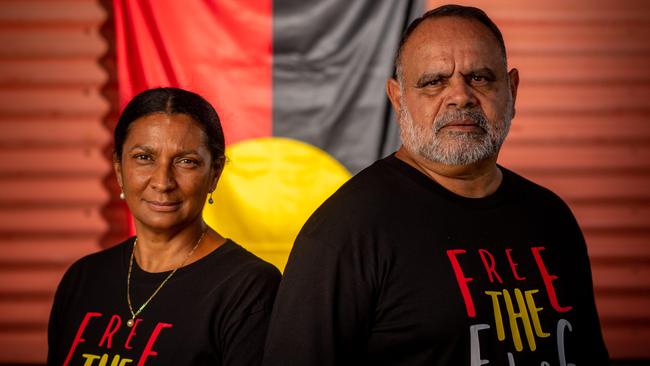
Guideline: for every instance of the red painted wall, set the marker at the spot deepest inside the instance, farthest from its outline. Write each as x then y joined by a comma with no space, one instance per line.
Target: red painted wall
57,196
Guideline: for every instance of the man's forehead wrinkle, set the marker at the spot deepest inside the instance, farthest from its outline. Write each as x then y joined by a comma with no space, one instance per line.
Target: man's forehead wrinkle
447,45
447,67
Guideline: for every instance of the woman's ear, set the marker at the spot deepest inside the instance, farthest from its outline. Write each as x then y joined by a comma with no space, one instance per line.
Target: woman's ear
117,168
217,169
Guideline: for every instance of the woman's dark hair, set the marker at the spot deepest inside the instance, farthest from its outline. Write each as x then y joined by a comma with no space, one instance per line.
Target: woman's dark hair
172,101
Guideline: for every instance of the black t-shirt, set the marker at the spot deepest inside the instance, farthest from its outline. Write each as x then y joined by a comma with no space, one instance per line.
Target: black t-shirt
394,269
214,311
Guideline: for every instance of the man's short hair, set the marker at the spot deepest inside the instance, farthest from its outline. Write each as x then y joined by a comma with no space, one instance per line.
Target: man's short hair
450,10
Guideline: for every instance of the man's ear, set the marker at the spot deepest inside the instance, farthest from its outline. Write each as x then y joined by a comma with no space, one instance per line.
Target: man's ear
513,78
394,93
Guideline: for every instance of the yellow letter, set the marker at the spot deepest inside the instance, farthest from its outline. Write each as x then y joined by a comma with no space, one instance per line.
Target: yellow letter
523,315
534,310
498,319
89,359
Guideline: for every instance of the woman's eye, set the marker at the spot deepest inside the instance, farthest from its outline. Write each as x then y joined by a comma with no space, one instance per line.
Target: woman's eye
189,162
142,157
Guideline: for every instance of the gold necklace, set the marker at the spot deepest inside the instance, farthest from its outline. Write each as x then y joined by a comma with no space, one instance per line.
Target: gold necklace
131,321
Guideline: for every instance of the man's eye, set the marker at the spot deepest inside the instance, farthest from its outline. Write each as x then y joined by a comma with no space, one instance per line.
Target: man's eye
427,82
432,82
478,80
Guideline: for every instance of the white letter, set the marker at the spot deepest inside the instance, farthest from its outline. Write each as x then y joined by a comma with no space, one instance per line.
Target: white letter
475,347
561,325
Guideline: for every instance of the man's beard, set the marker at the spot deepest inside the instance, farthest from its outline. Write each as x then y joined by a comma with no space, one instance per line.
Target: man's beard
455,147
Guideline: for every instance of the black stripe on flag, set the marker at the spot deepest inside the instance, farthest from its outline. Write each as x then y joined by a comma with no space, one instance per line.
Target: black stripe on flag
331,60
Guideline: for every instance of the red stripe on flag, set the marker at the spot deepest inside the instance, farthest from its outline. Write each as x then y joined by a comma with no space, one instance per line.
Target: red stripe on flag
219,49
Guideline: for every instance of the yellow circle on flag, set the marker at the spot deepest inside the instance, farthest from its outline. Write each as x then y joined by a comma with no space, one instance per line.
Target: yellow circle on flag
268,189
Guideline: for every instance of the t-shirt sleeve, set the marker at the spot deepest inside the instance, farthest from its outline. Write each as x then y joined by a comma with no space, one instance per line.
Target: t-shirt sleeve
243,335
583,336
324,306
55,326
593,348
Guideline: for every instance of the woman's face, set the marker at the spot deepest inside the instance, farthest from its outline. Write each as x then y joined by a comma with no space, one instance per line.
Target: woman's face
166,171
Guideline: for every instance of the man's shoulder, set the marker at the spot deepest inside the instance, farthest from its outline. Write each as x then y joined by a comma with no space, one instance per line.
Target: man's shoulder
365,199
380,177
529,192
371,185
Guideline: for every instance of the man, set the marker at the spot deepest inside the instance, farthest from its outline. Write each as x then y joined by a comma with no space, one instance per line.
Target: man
436,255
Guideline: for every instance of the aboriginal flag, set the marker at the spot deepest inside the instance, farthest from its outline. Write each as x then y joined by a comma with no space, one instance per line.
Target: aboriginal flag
299,87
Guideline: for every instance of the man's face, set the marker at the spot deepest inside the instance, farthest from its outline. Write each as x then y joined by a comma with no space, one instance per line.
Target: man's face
455,98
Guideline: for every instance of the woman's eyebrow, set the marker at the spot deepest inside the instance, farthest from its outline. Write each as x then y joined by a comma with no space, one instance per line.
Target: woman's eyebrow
145,148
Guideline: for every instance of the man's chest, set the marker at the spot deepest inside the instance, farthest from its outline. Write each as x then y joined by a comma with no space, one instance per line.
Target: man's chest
498,297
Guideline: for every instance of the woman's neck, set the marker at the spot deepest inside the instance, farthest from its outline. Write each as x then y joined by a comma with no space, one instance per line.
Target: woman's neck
161,251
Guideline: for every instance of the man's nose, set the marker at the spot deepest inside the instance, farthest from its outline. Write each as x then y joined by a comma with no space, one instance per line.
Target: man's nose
460,94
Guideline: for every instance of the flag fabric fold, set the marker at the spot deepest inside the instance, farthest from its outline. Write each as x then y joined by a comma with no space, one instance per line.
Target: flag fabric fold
331,60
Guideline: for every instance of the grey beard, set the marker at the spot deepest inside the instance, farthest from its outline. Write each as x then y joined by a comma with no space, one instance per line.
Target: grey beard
454,147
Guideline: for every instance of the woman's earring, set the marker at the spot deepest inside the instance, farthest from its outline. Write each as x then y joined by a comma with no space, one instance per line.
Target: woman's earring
210,200
122,196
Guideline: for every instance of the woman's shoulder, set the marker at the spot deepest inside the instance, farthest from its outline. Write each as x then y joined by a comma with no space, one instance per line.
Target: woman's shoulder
93,267
106,255
243,282
237,274
104,259
243,262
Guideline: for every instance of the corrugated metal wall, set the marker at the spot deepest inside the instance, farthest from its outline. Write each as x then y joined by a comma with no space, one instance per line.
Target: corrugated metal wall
581,130
56,98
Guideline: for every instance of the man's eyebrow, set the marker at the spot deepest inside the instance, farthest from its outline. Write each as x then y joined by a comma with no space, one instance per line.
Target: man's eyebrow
428,77
483,71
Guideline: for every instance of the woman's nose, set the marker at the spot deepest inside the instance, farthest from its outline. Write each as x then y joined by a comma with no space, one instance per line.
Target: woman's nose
162,178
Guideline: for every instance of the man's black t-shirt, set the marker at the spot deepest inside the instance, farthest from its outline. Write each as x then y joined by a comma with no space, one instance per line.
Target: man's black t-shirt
214,311
394,269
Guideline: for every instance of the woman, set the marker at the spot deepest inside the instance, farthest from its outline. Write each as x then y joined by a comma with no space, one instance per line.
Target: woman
178,293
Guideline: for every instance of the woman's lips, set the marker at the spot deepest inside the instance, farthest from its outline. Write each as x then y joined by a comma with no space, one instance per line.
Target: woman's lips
165,206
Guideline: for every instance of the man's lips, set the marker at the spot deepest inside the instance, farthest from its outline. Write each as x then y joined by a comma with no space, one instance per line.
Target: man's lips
465,125
163,206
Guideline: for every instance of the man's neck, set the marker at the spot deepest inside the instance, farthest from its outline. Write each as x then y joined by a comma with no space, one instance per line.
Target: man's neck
476,180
